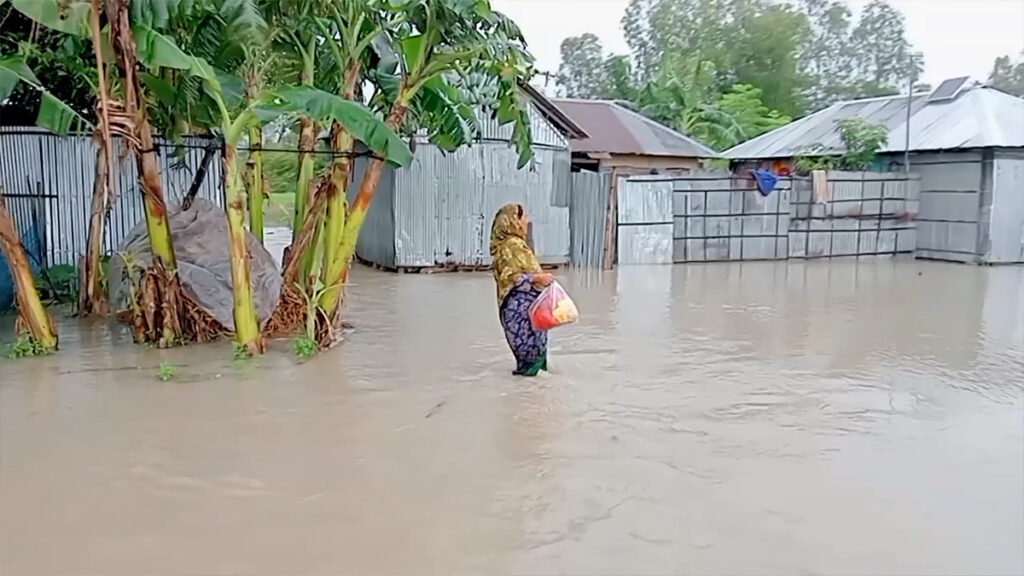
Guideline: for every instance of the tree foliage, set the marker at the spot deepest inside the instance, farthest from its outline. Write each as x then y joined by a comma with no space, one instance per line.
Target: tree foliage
862,141
230,66
582,73
744,105
800,56
63,61
1008,75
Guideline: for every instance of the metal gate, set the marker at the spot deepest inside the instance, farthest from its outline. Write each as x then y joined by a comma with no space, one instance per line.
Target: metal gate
645,223
588,214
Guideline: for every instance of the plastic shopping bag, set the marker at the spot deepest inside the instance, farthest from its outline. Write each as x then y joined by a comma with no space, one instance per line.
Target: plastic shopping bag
553,308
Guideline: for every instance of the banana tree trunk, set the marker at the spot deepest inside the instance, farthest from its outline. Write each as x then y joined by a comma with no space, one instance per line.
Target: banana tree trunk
156,209
123,44
247,330
307,145
255,181
342,260
30,307
91,299
342,145
334,227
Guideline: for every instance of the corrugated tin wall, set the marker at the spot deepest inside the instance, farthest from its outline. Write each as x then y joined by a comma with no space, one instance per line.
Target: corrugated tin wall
51,177
951,204
1006,233
438,211
544,133
444,204
713,216
376,241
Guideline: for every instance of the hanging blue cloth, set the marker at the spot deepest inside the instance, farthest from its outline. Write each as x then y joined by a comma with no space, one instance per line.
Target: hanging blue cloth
766,181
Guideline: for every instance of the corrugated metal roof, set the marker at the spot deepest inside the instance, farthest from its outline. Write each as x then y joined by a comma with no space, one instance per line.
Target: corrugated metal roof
615,129
553,113
980,117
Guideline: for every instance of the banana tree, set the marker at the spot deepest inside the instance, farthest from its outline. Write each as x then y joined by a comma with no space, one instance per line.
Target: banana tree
235,119
59,118
32,314
295,38
92,297
70,18
126,42
348,30
437,43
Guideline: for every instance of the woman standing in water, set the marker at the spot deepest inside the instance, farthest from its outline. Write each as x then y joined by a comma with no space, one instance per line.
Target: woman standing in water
519,278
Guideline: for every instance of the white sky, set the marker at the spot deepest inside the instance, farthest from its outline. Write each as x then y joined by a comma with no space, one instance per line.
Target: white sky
958,37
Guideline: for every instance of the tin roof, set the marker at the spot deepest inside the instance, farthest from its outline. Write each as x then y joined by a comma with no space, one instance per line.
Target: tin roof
615,129
553,113
978,117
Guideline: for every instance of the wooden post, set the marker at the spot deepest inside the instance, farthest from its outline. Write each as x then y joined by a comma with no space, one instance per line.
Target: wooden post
611,222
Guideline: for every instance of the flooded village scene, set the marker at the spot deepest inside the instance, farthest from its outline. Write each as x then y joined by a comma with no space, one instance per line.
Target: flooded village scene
525,287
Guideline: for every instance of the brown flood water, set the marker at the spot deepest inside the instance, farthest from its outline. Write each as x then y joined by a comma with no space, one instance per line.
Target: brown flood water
763,418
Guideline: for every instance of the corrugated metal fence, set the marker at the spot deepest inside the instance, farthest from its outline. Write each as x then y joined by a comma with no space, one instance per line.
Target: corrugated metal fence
48,180
724,217
717,216
860,214
441,207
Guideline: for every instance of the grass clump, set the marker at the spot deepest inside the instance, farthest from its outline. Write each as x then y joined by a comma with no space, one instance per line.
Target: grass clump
304,348
166,371
26,347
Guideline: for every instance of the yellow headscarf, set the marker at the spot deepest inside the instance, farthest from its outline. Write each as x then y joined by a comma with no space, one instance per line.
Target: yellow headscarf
510,254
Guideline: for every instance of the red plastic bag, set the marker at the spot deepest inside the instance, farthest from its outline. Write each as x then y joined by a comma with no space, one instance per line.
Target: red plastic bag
553,308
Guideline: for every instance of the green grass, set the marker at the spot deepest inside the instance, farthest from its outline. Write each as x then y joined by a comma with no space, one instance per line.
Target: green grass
25,347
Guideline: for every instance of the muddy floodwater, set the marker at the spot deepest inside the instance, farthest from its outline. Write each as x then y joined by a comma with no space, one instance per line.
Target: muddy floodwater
764,418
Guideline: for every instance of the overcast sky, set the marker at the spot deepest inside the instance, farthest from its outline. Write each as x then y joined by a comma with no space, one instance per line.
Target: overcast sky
958,37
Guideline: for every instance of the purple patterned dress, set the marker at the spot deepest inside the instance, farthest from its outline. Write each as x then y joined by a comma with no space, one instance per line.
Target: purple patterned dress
529,346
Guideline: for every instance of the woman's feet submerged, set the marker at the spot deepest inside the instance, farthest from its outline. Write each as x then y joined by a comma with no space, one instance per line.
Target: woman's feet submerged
532,370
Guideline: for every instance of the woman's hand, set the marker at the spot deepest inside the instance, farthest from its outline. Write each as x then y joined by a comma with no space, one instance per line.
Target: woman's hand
543,279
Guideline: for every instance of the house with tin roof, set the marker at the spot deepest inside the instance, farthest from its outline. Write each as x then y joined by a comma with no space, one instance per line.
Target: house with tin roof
964,139
625,142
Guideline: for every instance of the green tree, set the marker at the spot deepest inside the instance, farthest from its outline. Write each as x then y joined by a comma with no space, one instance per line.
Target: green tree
163,291
582,72
679,97
743,104
636,25
754,42
883,56
1008,75
769,41
827,58
618,79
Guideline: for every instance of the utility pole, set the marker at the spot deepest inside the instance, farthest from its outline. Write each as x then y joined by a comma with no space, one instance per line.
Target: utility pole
911,74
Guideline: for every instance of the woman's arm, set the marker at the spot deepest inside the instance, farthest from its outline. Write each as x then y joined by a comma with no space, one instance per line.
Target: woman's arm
527,282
